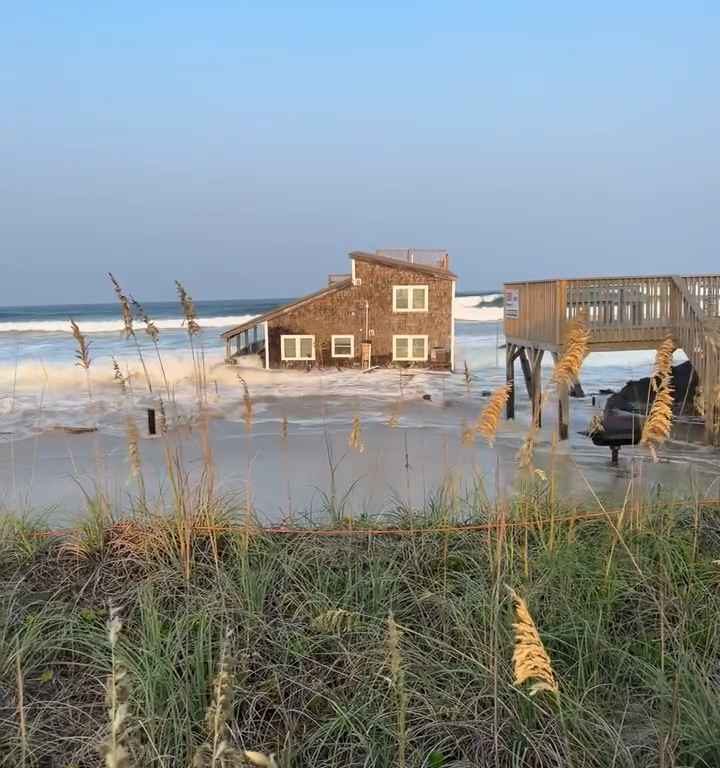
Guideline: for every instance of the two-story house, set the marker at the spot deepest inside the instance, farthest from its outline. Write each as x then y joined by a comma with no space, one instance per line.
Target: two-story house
395,307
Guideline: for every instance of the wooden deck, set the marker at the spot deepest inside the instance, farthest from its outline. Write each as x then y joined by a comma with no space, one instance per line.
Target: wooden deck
623,313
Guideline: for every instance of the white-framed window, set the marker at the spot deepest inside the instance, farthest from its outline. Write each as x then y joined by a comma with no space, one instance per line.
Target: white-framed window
343,345
410,348
297,347
410,298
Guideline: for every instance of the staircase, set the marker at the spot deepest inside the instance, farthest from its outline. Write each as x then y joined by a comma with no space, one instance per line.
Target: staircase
695,328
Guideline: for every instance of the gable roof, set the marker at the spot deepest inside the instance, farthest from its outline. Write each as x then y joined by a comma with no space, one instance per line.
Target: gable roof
399,264
281,310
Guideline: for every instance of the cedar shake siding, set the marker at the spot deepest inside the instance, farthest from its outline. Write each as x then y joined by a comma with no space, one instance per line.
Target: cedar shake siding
364,310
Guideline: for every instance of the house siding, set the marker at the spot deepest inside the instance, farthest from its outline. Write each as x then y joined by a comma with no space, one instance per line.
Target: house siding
343,312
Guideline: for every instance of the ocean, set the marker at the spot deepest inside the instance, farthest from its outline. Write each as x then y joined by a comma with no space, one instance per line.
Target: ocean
43,332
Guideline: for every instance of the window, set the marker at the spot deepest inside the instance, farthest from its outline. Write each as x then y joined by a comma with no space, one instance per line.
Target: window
411,348
410,298
297,347
343,346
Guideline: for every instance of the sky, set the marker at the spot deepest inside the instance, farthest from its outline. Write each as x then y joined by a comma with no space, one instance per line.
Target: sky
246,148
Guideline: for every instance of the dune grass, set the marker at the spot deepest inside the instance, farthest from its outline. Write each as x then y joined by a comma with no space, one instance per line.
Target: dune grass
368,650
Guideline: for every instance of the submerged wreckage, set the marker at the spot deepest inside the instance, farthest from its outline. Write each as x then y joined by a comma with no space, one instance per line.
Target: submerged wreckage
624,414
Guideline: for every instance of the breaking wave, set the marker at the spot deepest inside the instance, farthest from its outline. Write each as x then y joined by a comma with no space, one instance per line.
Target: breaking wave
114,326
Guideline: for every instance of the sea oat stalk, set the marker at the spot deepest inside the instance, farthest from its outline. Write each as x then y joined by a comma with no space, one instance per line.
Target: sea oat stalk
489,421
118,376
115,749
133,443
284,430
83,346
22,719
154,333
355,441
576,349
193,329
128,328
658,424
663,362
217,752
247,404
397,676
82,354
530,659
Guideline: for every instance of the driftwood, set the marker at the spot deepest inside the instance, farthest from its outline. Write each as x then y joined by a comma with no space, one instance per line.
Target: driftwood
74,430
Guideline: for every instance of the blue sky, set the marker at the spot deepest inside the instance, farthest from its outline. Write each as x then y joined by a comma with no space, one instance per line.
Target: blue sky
245,148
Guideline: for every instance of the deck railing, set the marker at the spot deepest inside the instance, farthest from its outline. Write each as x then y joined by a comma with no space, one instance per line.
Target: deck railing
426,256
618,310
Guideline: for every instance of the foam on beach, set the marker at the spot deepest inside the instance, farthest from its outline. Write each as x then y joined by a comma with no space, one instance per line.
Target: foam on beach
114,326
472,309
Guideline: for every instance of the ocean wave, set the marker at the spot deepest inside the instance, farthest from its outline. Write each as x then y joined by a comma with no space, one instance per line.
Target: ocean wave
475,309
114,326
467,308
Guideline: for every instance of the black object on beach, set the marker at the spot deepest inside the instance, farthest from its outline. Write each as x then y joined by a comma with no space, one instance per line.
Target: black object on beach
618,428
152,429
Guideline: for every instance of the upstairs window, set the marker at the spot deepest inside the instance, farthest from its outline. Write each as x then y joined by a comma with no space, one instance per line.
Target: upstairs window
410,348
343,346
410,298
297,347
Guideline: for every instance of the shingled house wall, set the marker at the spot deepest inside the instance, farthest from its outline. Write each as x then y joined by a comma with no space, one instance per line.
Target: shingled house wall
342,312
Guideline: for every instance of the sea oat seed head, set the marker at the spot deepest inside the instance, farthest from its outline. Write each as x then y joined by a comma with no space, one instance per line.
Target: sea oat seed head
193,328
530,659
247,404
150,328
133,441
83,346
576,349
355,438
658,424
260,759
489,421
127,315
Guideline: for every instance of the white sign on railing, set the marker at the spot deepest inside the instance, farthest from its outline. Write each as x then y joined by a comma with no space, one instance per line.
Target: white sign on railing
512,303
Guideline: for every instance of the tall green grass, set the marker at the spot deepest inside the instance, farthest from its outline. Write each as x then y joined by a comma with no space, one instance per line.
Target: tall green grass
628,615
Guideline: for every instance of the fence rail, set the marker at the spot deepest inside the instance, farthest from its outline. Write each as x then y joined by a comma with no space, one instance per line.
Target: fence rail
428,256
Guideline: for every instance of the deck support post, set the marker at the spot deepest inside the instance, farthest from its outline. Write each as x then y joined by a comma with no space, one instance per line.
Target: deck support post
537,386
563,405
510,354
533,381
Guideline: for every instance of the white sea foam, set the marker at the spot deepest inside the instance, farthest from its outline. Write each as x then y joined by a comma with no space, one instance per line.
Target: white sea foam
470,309
113,326
467,309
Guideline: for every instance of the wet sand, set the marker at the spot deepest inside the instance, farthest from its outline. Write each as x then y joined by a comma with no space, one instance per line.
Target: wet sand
48,471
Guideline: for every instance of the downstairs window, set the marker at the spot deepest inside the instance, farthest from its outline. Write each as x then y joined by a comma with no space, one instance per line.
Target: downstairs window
297,347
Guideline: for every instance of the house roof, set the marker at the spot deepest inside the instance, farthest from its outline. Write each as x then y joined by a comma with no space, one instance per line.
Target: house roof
399,264
337,286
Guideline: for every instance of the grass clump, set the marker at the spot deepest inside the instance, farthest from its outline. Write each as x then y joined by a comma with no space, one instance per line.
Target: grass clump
370,650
